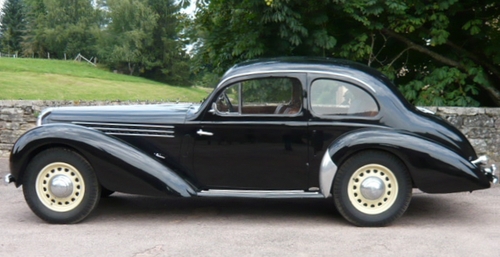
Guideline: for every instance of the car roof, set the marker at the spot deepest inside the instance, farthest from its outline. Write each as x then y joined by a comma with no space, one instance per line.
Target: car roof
304,64
360,72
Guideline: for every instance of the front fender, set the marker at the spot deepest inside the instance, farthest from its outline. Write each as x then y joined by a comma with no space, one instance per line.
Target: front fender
119,166
433,167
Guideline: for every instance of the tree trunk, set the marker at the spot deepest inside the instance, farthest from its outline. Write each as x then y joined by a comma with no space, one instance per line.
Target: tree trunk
131,68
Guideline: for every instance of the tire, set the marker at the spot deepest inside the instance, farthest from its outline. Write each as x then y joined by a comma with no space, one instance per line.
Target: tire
372,189
60,186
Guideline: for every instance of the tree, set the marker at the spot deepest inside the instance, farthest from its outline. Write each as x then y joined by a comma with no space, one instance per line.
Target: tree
129,34
167,46
12,26
143,37
61,27
33,41
442,53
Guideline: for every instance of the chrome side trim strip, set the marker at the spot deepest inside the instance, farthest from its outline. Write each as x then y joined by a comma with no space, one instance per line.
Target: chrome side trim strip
327,172
135,130
137,135
121,124
259,193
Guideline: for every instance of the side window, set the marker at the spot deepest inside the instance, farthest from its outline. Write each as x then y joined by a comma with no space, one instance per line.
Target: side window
280,96
333,97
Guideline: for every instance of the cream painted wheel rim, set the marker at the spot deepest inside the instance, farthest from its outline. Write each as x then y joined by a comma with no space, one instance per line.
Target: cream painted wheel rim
66,172
374,172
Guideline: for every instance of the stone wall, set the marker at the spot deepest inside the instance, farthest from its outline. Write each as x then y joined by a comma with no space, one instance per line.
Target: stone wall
480,125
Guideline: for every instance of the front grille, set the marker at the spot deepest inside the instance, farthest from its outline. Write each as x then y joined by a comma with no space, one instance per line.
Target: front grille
130,129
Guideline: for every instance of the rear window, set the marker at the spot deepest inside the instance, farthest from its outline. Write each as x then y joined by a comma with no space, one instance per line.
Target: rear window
334,97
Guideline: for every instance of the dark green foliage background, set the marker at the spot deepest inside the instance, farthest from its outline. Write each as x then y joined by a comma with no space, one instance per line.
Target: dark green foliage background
444,52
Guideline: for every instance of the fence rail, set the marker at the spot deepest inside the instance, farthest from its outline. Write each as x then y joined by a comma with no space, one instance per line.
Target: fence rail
79,57
8,55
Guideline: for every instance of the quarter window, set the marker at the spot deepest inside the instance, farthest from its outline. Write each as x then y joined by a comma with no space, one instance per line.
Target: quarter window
333,97
262,96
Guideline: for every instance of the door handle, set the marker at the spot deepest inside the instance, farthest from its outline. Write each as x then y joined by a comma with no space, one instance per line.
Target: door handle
204,133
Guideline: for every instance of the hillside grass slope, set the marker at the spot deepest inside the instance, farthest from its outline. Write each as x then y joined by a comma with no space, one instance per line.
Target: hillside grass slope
39,79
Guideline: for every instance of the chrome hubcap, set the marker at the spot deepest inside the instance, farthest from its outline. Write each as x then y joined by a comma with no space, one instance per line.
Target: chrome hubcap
372,188
61,186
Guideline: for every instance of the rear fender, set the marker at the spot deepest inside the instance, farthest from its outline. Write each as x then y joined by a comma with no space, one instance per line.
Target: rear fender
119,166
433,167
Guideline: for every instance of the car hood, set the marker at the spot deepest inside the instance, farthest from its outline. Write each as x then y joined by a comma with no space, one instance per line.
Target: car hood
127,114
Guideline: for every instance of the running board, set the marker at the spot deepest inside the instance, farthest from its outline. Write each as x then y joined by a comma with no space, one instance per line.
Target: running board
260,193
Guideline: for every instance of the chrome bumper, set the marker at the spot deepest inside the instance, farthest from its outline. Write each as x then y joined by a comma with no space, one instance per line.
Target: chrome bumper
488,171
8,179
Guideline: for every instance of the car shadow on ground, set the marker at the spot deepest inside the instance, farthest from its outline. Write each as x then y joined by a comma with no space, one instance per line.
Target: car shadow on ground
129,206
423,209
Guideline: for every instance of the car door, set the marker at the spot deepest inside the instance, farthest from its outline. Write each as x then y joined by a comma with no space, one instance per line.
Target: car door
338,105
255,136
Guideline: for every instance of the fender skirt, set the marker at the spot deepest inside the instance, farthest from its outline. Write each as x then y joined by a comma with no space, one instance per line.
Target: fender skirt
434,168
119,166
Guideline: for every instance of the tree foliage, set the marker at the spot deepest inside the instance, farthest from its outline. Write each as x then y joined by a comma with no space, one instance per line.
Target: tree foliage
11,26
60,28
142,36
139,36
445,52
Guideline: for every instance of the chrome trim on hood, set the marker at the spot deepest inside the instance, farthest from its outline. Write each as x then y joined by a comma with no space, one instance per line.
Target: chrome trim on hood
123,129
42,115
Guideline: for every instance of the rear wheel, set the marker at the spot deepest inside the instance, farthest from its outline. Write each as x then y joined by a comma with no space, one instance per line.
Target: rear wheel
372,188
60,186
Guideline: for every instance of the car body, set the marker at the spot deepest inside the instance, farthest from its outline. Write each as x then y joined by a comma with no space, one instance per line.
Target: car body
273,128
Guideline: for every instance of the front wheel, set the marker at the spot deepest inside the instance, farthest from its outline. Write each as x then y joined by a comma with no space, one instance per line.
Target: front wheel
372,189
60,186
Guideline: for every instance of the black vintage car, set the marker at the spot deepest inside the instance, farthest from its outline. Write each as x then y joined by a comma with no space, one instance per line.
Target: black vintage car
276,128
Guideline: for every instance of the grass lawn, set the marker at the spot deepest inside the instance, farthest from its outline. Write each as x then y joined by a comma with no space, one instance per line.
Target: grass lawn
39,79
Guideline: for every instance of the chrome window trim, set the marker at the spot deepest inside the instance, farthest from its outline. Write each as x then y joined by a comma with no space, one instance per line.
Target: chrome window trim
297,71
336,116
240,103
